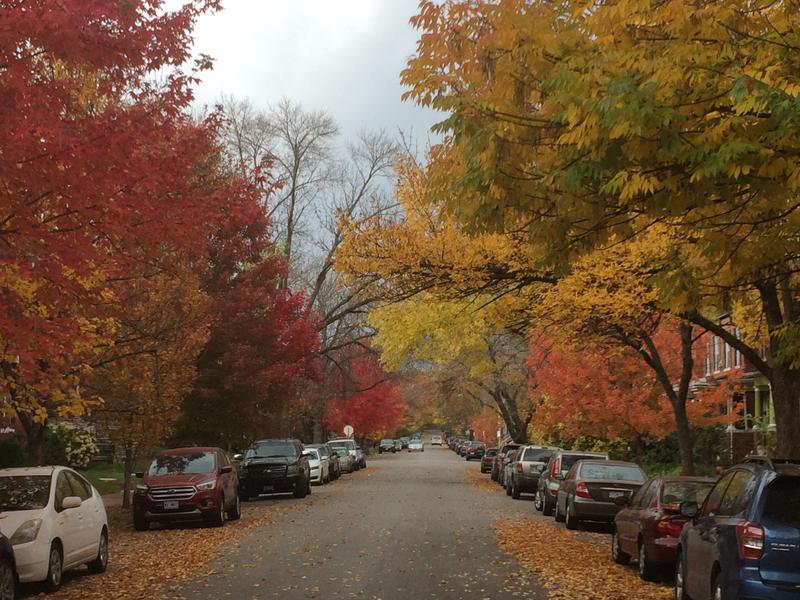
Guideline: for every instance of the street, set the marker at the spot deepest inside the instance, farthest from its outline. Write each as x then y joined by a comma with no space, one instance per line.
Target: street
409,526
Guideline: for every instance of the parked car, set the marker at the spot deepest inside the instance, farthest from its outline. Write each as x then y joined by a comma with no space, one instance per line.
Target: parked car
319,467
462,447
361,457
416,446
526,469
326,452
650,523
275,466
55,520
386,445
8,570
346,449
557,467
488,460
474,450
436,440
186,484
404,442
398,445
594,490
505,474
348,445
497,466
744,541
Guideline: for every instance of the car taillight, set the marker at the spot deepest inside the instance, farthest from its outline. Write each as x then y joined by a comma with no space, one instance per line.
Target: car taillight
555,468
519,467
670,527
751,540
581,490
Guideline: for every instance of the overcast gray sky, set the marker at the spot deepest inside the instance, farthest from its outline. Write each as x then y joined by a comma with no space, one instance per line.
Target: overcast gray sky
343,56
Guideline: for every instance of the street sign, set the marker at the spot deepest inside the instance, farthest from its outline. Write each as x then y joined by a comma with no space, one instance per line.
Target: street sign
348,430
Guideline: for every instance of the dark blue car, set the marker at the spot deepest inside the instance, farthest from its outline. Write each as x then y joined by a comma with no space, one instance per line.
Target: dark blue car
744,542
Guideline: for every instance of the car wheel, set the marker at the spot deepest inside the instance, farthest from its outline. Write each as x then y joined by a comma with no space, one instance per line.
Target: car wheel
515,493
680,579
537,501
619,557
236,512
646,570
140,523
494,475
8,582
218,518
244,495
508,487
569,516
548,505
55,567
100,563
301,489
558,516
719,592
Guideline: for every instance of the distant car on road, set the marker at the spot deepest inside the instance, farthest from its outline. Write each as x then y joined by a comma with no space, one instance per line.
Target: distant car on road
505,473
404,442
346,448
436,440
398,445
55,520
416,446
386,445
557,467
528,466
184,485
649,525
474,450
497,466
8,570
487,460
743,541
595,490
275,466
361,457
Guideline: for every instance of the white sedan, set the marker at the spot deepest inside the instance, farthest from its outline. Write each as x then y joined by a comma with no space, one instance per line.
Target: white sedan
55,520
416,446
320,466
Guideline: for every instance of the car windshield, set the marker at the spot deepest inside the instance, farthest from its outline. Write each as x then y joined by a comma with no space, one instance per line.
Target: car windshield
611,472
782,503
343,446
24,492
313,453
567,460
537,455
170,464
387,442
477,445
272,450
675,492
491,452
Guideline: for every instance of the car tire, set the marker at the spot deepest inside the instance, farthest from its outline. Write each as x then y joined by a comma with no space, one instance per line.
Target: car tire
548,506
558,516
617,555
515,493
680,578
494,474
569,516
55,569
508,487
140,523
8,580
718,592
236,512
100,563
647,571
244,495
301,491
218,518
537,501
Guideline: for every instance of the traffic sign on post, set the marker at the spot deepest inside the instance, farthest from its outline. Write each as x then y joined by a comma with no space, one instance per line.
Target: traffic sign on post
348,430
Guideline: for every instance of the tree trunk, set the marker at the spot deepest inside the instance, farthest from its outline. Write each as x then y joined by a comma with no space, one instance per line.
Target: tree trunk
786,398
685,443
34,436
127,471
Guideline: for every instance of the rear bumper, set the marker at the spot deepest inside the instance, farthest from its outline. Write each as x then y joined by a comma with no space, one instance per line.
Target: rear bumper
526,483
663,550
593,510
751,587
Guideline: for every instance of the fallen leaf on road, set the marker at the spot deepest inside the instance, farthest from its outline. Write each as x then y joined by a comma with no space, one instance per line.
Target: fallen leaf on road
483,481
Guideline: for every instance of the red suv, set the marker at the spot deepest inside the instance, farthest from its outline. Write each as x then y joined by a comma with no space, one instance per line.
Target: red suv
187,484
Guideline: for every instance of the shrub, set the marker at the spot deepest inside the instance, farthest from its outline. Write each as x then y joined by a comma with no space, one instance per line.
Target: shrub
11,453
69,445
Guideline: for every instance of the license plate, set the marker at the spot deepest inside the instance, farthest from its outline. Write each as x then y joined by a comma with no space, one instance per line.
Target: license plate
170,504
613,495
269,488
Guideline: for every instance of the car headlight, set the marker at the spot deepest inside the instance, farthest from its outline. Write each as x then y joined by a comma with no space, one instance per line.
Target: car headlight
141,488
26,532
208,485
292,469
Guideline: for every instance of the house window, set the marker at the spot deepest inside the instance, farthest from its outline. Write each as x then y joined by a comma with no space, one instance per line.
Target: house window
737,356
718,354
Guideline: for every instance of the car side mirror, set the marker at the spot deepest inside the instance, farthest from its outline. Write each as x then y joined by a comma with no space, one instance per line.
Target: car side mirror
622,501
139,474
238,457
306,453
226,469
689,509
71,502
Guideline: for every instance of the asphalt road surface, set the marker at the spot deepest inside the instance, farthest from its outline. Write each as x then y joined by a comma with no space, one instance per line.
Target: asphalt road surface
410,526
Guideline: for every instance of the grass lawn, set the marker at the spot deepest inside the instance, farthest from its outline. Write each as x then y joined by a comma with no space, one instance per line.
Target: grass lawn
99,472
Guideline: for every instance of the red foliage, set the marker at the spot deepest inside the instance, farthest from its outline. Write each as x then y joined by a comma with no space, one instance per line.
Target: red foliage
376,406
99,166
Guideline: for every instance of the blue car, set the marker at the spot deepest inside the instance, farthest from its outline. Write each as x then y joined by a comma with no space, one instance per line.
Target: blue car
743,543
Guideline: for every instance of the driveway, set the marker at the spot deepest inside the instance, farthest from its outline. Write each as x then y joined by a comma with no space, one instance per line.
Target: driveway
409,526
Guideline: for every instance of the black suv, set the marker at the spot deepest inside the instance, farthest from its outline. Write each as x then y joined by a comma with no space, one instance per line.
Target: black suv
274,467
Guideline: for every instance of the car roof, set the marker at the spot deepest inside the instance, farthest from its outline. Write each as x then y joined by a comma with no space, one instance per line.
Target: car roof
292,440
611,463
187,450
44,470
668,478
